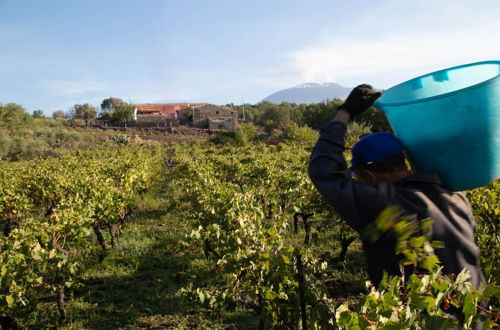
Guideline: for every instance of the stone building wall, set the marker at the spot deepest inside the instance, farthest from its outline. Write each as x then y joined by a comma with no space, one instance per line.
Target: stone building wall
215,117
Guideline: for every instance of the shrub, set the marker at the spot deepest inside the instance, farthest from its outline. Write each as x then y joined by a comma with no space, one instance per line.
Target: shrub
269,126
246,133
355,131
5,143
301,135
224,137
13,116
65,137
122,113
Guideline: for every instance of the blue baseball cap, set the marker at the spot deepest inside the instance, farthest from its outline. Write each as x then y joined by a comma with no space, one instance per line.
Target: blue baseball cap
375,147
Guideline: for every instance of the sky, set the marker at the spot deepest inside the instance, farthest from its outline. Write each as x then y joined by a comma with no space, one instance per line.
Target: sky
58,53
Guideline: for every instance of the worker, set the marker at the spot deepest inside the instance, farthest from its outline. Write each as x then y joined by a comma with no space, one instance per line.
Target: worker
383,179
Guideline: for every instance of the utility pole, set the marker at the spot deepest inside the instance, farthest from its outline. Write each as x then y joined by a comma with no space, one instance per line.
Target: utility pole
243,103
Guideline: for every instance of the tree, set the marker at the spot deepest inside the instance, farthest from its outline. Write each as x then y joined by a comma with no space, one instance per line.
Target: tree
115,110
38,113
13,115
110,104
188,113
83,111
58,114
279,115
315,115
248,112
122,113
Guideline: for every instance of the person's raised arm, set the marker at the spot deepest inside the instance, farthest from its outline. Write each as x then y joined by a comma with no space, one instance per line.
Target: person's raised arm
327,166
342,116
327,155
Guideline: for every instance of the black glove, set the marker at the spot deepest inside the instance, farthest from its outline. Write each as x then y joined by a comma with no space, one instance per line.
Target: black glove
360,99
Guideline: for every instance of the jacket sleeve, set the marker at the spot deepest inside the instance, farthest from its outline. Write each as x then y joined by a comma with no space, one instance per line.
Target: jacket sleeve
356,202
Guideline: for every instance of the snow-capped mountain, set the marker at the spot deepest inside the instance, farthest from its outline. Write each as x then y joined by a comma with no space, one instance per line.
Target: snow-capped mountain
309,93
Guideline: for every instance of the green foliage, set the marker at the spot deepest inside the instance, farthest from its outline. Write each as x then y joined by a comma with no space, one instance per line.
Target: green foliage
189,114
269,126
486,207
356,130
13,116
375,118
110,104
240,202
279,115
83,111
224,138
121,139
122,113
43,137
427,300
115,110
274,137
246,133
5,144
301,135
38,114
317,114
276,118
50,207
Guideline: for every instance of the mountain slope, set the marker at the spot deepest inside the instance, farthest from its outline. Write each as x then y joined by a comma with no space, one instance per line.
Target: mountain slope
309,93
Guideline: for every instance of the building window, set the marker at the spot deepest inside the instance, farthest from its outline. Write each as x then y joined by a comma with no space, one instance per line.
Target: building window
216,112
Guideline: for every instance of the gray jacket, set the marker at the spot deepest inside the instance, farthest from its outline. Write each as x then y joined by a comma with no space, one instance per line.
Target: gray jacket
422,194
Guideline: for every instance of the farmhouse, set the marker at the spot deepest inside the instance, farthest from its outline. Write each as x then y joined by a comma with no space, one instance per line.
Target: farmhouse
204,115
214,117
173,111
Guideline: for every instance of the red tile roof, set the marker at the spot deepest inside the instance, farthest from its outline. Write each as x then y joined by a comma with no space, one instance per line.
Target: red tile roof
171,110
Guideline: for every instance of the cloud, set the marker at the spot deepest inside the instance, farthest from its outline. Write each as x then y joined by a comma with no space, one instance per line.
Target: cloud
63,87
284,76
390,59
399,46
395,57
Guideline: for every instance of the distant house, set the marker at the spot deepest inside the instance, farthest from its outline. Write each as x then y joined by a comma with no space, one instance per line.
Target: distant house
214,117
172,111
170,114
